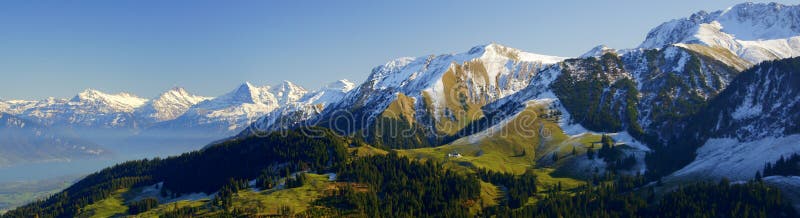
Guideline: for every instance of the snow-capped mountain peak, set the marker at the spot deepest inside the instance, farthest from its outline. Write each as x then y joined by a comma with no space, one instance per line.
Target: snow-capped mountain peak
176,90
342,85
120,102
309,105
248,93
754,21
754,31
177,94
287,92
423,72
333,92
171,104
229,112
597,51
498,51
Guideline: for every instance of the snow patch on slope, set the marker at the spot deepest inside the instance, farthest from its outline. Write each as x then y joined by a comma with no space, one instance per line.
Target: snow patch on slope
749,108
598,51
154,191
736,160
625,138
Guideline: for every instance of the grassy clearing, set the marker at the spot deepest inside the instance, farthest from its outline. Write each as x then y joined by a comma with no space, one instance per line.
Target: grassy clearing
299,199
266,202
515,147
366,150
507,149
525,143
113,206
719,53
546,179
401,108
172,206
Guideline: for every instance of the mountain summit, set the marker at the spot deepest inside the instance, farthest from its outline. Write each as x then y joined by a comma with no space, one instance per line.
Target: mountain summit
122,102
754,31
170,104
304,108
287,92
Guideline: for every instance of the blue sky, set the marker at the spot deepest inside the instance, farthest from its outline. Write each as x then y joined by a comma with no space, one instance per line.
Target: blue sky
58,48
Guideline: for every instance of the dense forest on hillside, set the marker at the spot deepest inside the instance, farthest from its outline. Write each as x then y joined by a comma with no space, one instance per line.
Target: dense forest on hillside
586,89
206,170
408,189
390,186
753,199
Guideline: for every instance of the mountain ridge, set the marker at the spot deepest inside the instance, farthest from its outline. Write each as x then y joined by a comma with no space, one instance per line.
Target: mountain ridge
755,32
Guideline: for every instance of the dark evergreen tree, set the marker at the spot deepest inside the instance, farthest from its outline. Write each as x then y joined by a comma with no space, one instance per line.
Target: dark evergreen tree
141,206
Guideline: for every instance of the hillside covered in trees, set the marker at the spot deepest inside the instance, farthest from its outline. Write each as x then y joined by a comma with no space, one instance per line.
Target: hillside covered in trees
380,184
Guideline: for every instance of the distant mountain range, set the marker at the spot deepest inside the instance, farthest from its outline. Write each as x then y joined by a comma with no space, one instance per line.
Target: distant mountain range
650,94
95,116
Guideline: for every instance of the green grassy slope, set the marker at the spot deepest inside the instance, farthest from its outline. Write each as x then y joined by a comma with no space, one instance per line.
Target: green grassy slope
525,142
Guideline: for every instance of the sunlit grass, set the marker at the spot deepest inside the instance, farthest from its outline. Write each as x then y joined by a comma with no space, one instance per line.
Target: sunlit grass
110,207
298,199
